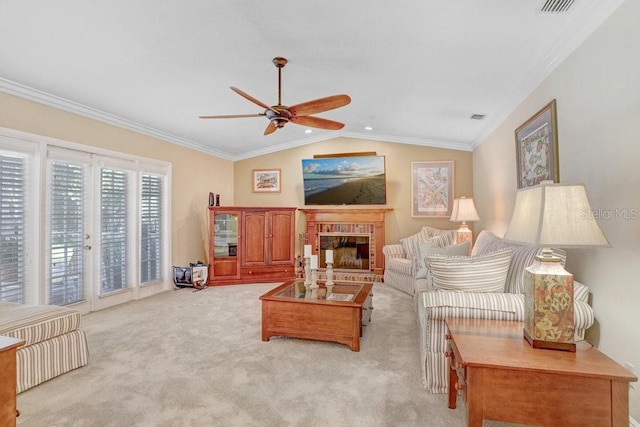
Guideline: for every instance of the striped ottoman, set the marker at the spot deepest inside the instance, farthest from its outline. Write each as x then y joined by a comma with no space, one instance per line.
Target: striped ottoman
54,343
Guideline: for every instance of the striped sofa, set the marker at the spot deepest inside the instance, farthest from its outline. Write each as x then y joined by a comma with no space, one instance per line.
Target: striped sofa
400,270
433,306
54,342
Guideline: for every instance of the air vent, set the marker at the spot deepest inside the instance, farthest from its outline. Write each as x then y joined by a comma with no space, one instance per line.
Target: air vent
477,116
553,6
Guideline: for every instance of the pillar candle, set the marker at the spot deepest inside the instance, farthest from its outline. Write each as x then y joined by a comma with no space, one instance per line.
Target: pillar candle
329,255
314,262
307,251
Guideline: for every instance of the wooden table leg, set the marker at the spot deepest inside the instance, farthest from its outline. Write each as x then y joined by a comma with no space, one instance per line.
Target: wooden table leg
453,381
475,397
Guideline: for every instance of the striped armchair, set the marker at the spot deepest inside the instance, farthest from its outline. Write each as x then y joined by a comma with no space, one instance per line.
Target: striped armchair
434,306
54,342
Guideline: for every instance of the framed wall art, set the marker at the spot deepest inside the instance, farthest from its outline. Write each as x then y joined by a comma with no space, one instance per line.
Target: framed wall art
537,148
432,189
266,181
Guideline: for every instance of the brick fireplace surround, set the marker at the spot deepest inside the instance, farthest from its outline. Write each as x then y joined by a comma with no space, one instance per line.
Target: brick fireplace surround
349,220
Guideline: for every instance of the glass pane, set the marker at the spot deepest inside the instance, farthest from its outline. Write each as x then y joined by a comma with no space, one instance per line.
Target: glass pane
225,235
66,232
12,220
151,228
113,230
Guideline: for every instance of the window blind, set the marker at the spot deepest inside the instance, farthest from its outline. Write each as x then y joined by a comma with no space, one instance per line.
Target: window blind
151,228
66,231
12,223
113,230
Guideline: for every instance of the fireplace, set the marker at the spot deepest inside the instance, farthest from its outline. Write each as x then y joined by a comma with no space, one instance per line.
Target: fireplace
349,222
350,251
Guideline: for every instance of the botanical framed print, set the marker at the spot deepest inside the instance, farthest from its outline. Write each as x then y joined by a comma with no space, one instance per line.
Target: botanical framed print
431,189
537,148
266,181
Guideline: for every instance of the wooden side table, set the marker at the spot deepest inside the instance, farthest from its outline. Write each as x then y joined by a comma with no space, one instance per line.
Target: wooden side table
8,380
502,378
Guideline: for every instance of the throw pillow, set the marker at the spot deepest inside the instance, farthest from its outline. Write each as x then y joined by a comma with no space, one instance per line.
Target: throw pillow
485,273
428,248
410,244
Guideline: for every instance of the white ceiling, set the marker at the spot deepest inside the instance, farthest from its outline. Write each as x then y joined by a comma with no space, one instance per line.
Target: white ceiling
416,70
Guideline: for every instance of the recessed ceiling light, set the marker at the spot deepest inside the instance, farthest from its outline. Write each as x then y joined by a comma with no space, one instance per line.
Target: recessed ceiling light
368,128
308,131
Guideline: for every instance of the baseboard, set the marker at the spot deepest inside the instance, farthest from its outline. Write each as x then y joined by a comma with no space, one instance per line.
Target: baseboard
633,423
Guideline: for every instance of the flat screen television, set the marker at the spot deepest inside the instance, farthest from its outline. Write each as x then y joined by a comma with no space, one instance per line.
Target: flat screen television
351,180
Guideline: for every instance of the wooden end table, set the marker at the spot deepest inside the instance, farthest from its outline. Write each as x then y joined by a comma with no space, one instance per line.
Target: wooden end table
502,378
8,348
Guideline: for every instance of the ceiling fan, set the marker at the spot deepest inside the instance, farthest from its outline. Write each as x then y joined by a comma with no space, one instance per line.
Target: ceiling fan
301,114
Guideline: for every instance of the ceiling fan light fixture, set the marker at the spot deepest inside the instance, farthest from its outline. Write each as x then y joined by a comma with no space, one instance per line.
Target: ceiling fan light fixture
302,114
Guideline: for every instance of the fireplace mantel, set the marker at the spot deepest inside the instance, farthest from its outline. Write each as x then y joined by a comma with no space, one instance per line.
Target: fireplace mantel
316,218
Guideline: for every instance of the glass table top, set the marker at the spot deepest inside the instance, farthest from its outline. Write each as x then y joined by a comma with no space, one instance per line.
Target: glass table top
342,291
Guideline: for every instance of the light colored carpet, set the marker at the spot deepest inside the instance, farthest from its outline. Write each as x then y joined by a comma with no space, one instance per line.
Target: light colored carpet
185,358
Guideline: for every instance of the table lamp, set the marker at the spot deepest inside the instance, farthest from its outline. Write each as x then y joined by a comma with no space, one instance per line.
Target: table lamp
464,210
552,215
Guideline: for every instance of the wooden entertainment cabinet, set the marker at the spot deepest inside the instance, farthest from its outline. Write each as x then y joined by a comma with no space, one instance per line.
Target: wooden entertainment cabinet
251,244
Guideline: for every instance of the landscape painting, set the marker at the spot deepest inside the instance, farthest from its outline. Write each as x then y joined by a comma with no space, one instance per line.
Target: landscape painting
357,180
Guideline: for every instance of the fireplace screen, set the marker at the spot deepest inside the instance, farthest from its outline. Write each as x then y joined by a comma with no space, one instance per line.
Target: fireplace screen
350,251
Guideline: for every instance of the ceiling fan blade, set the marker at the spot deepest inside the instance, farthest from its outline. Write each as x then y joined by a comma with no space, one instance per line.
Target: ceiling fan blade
270,129
250,98
233,116
317,122
320,105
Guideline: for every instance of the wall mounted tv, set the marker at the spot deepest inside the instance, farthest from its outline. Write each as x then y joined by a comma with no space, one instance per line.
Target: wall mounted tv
349,180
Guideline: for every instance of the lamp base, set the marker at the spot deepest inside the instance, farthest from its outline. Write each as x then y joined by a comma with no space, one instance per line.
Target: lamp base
463,234
548,304
565,346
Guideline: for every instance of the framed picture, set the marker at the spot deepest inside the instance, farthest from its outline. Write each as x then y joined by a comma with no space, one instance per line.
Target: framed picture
266,181
431,189
537,148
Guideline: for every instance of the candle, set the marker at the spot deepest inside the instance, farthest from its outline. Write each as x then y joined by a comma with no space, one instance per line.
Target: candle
307,251
314,262
329,255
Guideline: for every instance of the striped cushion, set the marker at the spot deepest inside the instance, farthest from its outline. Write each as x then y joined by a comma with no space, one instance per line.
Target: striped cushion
428,248
523,257
36,323
485,273
410,244
433,232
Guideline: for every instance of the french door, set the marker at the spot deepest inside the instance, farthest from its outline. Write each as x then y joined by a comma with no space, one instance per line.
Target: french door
104,231
81,226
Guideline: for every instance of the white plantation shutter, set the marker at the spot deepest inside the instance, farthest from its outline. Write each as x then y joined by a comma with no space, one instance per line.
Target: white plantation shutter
12,228
150,228
113,230
66,219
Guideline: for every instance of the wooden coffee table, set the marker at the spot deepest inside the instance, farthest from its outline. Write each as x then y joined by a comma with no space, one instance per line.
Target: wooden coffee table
286,312
503,378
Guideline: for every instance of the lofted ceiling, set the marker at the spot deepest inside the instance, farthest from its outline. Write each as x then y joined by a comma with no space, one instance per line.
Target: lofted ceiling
416,70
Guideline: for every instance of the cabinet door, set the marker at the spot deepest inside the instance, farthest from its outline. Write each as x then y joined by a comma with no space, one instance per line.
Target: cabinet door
280,241
254,248
223,245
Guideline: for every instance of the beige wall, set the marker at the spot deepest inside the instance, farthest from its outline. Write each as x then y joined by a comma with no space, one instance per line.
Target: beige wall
398,158
598,98
194,173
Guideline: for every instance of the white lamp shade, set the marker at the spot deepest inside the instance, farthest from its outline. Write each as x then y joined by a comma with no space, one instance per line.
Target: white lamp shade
554,215
464,210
